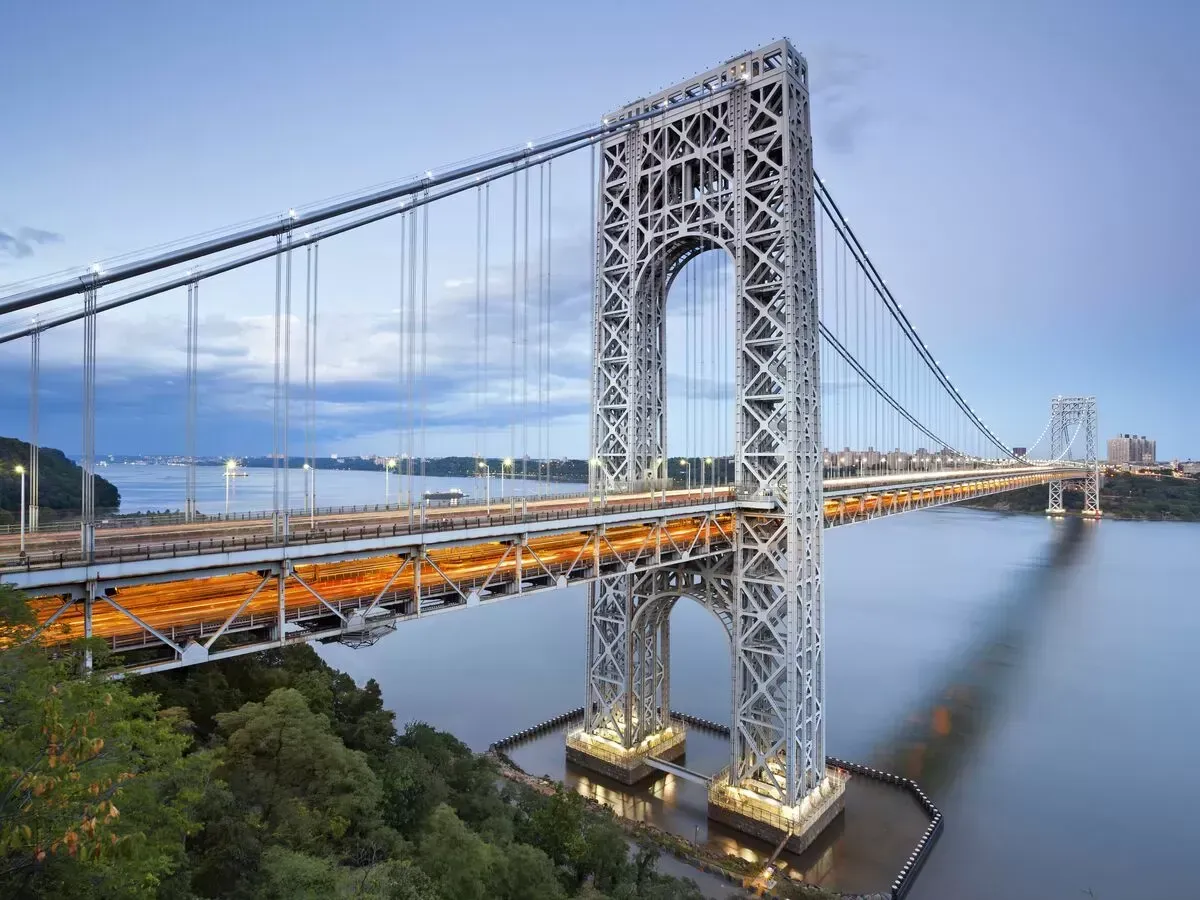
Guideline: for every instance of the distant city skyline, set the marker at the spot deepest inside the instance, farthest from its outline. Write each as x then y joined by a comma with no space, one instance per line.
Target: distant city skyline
991,168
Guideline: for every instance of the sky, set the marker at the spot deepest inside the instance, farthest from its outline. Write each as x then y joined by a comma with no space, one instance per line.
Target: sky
1022,173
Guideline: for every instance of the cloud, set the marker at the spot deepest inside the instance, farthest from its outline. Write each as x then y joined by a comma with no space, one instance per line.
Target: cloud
843,114
20,243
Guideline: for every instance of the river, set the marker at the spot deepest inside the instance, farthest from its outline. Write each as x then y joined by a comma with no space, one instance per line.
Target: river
1066,762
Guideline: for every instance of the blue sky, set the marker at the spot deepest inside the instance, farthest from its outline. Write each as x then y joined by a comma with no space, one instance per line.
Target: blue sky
1023,174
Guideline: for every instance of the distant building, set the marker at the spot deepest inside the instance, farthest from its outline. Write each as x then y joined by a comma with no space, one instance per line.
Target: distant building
1131,449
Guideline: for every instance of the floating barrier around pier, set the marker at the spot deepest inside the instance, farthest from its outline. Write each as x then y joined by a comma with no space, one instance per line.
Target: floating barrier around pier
904,879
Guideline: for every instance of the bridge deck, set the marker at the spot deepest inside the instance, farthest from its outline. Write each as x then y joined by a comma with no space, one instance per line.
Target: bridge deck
167,595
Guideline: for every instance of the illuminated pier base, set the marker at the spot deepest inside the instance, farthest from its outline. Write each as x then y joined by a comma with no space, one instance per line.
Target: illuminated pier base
625,764
749,808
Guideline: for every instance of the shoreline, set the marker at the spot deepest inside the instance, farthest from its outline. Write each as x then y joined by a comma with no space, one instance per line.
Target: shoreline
1074,513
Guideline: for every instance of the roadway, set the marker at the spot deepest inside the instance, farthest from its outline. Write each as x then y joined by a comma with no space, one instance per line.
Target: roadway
118,539
383,562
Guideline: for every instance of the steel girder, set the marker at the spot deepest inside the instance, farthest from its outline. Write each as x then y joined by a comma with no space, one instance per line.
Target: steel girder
1068,416
289,603
734,173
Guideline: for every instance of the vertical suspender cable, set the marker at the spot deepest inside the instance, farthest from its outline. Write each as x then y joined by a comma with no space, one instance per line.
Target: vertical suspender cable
188,423
512,360
308,454
487,270
525,347
541,330
410,359
549,273
193,363
88,496
275,418
35,369
312,396
593,228
287,389
402,408
478,311
424,342
688,281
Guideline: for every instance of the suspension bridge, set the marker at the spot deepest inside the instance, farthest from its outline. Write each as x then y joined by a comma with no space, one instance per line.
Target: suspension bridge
722,274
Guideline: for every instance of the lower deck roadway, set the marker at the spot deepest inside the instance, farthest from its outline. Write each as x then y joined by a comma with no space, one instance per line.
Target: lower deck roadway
195,607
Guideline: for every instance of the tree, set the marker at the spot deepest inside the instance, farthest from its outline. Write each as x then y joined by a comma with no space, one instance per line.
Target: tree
555,825
606,853
411,790
288,875
455,858
521,872
283,763
96,793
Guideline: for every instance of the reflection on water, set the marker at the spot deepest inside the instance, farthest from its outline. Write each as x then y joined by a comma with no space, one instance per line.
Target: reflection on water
935,738
861,851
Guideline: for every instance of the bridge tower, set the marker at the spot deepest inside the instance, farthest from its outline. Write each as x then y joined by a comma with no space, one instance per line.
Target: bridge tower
733,172
1068,416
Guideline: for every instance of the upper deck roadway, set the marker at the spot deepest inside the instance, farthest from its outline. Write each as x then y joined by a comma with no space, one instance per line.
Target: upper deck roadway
166,585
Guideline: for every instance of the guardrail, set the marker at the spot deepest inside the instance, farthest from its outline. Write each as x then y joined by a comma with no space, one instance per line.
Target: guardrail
174,549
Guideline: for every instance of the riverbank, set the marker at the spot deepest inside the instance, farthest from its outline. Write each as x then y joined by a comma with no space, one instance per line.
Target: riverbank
1138,498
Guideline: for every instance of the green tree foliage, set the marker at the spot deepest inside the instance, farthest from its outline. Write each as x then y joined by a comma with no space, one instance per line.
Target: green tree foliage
271,777
97,790
60,482
304,788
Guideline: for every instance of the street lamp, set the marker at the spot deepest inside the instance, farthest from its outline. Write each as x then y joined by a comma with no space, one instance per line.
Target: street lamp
230,469
485,472
310,500
709,461
387,470
504,466
687,471
20,470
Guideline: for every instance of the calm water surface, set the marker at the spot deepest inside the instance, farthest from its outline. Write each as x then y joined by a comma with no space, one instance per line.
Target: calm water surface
161,488
1041,686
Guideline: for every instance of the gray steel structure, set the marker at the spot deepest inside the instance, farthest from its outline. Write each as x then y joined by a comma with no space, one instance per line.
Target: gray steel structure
734,173
1069,416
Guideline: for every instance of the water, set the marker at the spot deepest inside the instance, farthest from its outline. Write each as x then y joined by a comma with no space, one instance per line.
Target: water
161,488
1049,709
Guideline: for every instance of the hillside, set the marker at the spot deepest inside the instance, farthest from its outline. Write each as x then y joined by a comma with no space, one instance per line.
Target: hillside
1122,496
61,483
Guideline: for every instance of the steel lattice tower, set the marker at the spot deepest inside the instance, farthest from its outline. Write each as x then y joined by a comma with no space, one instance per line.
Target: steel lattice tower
732,173
1069,416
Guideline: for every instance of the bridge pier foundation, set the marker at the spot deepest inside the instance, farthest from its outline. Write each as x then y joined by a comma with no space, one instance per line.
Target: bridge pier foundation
627,765
748,807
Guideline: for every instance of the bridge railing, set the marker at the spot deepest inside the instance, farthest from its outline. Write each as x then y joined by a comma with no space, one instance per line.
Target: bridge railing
115,520
296,536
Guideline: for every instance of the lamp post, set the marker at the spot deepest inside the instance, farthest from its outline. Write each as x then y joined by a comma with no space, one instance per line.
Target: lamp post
485,472
309,500
20,470
387,471
687,471
708,460
230,469
504,466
